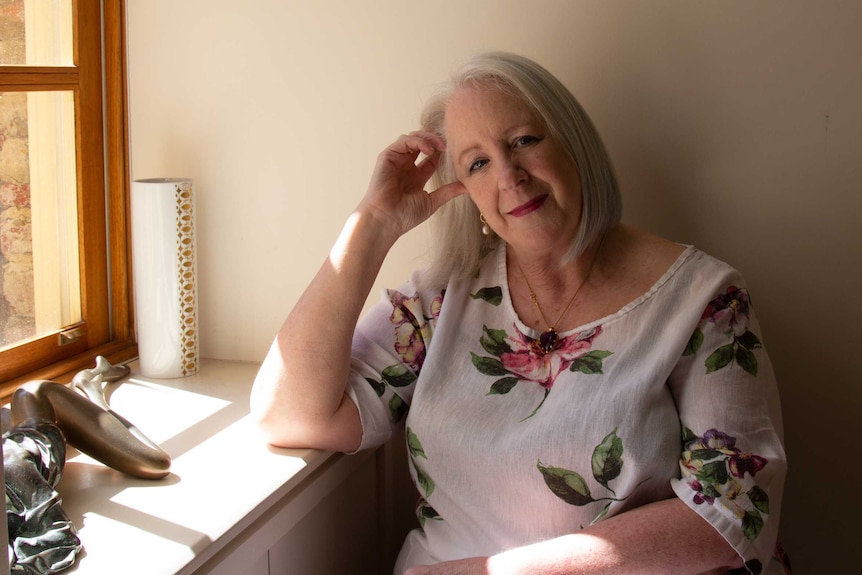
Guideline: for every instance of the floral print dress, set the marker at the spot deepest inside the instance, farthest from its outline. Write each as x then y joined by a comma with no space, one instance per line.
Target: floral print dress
673,395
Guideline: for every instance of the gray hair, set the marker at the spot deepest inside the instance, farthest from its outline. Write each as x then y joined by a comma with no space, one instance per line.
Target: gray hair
458,243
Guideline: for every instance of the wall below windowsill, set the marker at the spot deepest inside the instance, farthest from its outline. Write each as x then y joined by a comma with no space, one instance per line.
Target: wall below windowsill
224,481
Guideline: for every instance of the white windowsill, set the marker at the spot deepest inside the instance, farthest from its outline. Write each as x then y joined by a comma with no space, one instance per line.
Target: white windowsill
228,497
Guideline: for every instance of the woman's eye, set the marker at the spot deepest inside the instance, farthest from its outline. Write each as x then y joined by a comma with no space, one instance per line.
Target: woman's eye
525,140
476,165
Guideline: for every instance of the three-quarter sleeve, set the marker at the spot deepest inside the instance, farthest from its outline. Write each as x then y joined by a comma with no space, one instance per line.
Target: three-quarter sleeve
389,349
733,462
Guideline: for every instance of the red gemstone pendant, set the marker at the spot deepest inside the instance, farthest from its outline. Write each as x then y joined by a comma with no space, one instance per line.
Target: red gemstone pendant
548,341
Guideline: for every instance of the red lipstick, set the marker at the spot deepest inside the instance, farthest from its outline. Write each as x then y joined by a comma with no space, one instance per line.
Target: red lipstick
530,206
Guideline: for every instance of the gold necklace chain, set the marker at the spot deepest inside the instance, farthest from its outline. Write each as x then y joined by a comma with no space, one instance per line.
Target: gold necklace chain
538,307
547,342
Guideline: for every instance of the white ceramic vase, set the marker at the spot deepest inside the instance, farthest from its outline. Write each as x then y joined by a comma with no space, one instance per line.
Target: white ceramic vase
165,276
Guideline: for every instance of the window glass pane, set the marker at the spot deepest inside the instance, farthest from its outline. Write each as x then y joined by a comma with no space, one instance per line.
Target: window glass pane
39,276
36,33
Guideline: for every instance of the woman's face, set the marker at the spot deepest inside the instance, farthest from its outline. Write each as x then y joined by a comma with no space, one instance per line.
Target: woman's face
517,174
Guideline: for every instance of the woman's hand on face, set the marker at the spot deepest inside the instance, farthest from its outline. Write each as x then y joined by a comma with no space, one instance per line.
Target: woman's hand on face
396,196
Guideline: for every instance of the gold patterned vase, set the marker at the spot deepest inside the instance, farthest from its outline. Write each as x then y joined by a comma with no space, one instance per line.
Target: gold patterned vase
165,276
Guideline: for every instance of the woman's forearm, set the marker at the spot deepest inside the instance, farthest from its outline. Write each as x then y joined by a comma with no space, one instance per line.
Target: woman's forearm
655,539
298,396
658,538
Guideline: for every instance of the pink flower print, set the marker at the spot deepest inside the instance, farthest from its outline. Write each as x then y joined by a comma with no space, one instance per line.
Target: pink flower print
730,314
719,473
743,463
516,358
436,304
729,311
412,328
531,364
409,346
715,439
699,495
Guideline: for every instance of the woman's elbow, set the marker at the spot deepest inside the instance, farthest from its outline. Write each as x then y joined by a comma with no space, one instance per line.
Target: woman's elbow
290,429
269,419
296,422
267,424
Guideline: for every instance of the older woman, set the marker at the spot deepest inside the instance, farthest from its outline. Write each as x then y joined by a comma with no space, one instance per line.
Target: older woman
579,396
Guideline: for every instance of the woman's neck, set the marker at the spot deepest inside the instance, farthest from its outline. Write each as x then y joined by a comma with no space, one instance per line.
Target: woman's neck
543,290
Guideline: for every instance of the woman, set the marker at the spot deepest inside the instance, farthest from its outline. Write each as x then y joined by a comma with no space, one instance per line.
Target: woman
579,396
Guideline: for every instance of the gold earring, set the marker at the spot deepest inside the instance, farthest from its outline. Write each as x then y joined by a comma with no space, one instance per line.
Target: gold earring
486,229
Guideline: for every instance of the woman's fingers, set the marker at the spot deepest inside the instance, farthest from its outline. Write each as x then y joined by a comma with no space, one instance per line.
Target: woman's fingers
428,165
446,193
397,192
416,142
397,162
427,143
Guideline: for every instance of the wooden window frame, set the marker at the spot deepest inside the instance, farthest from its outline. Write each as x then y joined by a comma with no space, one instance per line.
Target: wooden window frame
101,133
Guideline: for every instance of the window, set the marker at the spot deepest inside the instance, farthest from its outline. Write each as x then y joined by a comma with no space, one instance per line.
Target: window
65,292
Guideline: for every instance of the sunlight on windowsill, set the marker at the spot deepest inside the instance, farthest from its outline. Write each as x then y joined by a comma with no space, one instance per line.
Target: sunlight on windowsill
223,475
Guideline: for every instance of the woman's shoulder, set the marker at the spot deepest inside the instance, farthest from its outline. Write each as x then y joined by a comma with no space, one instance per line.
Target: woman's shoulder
683,272
652,252
643,262
634,260
651,256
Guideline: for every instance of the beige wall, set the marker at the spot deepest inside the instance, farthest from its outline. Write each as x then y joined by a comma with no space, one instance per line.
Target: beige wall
735,126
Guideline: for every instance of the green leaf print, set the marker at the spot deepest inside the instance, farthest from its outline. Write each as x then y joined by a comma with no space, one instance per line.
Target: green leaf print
591,362
749,341
516,357
488,365
746,360
492,295
704,454
607,464
503,386
398,375
717,472
425,512
713,473
602,514
694,343
710,490
414,446
397,408
719,358
494,341
378,386
541,403
424,480
688,436
567,485
607,461
729,313
415,449
752,524
759,498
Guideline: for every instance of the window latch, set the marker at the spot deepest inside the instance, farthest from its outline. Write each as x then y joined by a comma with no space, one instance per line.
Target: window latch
71,335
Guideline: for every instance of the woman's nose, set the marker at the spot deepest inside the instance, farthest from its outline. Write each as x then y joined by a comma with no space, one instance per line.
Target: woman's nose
511,174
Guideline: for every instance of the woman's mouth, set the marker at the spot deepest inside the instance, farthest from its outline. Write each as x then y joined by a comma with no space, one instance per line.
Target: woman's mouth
529,206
